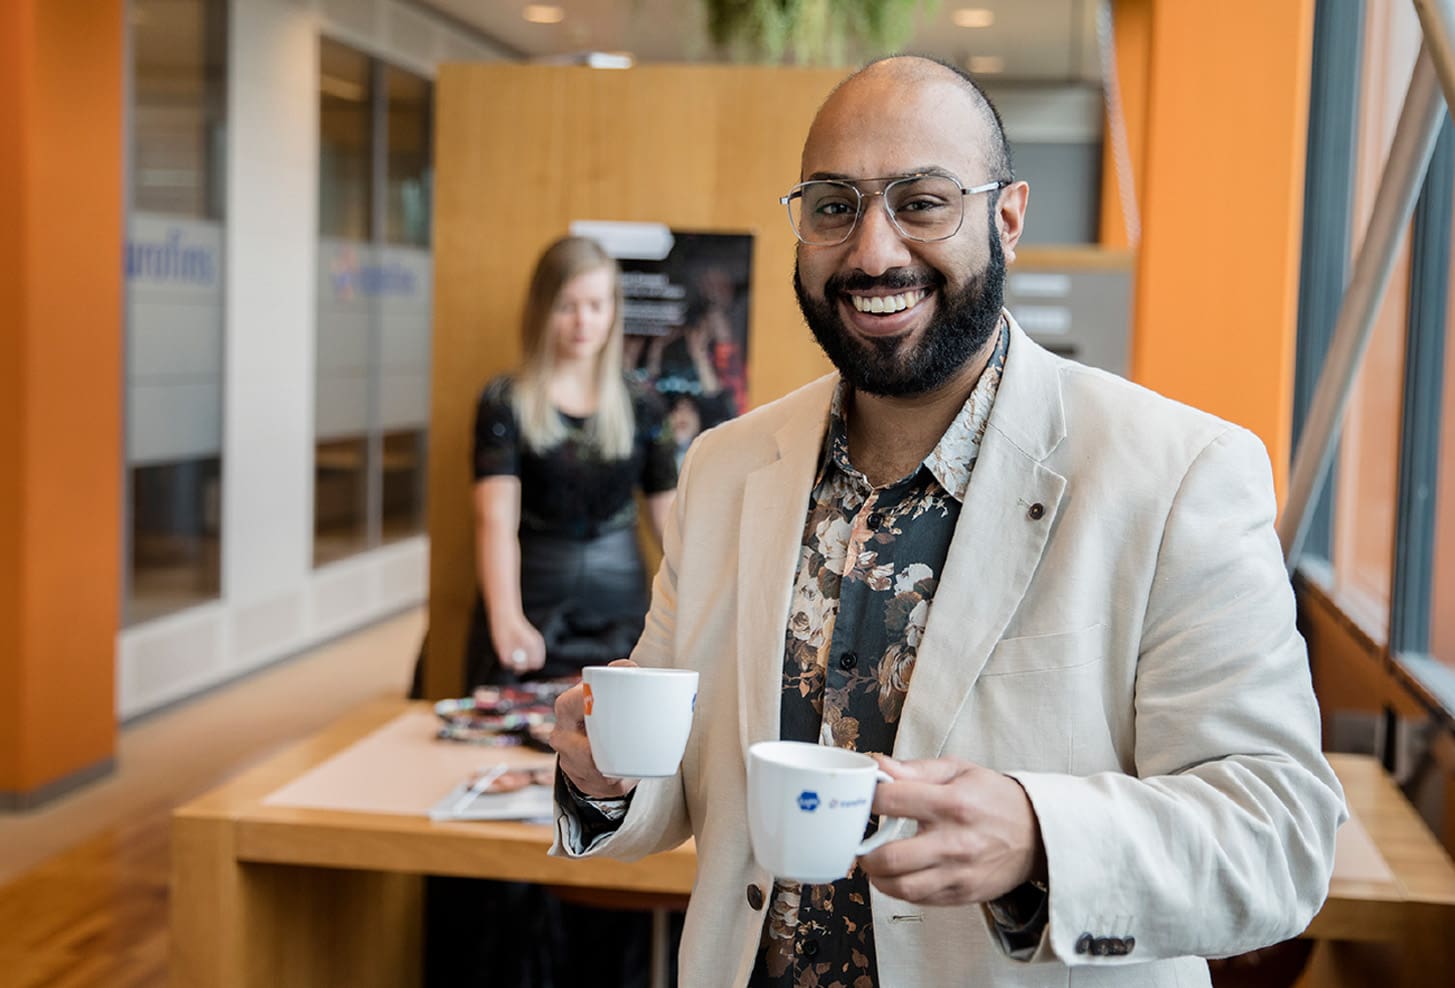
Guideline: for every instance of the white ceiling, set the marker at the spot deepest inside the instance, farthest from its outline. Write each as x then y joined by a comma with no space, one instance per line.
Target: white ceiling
1038,40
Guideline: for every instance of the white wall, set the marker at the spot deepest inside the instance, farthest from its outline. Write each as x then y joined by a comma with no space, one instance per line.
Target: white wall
273,602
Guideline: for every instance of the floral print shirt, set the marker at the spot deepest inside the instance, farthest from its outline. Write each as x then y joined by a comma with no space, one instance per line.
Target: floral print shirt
870,561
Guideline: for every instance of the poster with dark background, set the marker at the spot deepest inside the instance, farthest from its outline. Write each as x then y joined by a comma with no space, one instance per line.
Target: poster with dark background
687,328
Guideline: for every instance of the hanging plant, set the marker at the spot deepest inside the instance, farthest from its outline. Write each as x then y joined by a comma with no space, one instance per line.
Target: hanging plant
826,32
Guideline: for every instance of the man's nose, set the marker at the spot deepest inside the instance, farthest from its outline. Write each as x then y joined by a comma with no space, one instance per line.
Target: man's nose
876,244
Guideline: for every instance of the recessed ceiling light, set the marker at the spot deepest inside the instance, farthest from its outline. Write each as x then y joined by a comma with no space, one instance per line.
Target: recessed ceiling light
543,13
610,59
986,64
973,17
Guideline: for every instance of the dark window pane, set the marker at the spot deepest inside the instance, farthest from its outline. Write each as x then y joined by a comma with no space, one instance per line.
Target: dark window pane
340,499
345,147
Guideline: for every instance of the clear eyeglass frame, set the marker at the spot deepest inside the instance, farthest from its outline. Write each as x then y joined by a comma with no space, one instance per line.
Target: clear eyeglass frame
861,197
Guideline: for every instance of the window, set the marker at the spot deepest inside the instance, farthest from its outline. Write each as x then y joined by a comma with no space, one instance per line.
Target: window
174,280
375,272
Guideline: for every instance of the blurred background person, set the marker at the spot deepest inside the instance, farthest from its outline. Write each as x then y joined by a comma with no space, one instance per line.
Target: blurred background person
562,447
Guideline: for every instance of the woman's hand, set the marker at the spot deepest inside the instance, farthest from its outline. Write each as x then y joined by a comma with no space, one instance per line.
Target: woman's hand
518,644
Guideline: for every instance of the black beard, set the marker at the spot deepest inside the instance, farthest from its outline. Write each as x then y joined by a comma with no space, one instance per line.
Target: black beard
963,324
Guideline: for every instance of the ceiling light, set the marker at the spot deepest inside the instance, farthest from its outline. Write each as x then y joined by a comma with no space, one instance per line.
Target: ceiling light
986,64
543,13
973,17
610,59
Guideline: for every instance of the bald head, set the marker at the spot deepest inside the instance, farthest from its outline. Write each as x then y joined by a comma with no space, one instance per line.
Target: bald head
961,106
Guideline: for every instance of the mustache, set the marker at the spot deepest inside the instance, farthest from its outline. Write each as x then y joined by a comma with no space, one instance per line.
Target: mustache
893,280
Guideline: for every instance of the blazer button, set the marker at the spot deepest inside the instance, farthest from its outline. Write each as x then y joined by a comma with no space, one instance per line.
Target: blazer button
875,521
755,897
1130,943
1036,511
1083,943
1101,946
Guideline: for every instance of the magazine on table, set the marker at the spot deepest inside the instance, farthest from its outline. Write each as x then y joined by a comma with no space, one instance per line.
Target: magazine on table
500,792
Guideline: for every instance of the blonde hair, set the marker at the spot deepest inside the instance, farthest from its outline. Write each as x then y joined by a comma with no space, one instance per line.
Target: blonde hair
611,428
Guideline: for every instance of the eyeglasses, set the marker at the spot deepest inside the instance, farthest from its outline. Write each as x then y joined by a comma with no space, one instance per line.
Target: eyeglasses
924,208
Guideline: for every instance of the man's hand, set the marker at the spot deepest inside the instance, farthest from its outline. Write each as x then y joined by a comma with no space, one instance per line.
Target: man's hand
573,748
978,836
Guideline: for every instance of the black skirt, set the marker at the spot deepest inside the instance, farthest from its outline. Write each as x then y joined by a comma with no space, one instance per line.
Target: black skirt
587,597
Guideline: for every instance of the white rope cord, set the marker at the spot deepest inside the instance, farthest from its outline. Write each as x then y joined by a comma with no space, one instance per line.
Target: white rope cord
1117,124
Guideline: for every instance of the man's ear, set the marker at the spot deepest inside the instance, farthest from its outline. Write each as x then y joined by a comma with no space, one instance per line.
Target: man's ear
1010,216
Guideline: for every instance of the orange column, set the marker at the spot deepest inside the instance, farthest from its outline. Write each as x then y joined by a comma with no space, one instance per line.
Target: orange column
60,389
1217,276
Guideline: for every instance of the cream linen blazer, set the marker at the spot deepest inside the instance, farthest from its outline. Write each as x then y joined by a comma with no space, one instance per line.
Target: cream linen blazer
1114,628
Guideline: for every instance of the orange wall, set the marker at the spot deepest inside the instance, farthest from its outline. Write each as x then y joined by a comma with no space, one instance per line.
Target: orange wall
60,374
1216,301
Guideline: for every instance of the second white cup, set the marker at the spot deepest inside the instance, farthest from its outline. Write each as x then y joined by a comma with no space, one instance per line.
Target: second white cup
808,805
638,719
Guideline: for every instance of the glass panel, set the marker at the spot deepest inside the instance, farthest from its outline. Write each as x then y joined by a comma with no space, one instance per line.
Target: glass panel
402,301
174,536
340,499
1367,465
173,265
373,333
404,480
346,142
349,275
410,173
1442,597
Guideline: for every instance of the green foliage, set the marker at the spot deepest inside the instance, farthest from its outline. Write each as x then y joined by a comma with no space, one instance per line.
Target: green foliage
826,32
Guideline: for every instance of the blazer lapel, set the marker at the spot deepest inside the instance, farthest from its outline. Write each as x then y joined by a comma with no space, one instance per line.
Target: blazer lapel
770,534
1010,508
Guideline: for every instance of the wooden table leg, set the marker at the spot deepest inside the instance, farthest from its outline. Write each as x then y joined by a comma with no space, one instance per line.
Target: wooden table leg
241,925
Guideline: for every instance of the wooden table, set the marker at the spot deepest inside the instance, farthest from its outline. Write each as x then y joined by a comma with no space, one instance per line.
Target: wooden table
279,896
1394,932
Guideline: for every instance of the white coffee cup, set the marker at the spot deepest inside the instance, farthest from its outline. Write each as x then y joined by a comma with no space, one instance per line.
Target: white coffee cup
808,805
638,719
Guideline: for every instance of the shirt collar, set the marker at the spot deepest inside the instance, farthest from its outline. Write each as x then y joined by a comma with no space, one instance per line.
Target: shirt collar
954,456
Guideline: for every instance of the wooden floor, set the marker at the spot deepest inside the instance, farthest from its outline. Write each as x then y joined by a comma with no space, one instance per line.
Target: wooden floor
83,881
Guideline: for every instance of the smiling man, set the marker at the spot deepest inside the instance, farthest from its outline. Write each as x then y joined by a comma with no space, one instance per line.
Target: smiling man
1056,598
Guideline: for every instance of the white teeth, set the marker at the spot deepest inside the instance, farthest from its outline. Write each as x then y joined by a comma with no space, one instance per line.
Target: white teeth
888,303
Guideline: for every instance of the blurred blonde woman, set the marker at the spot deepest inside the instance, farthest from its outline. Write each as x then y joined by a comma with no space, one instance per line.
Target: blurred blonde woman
562,445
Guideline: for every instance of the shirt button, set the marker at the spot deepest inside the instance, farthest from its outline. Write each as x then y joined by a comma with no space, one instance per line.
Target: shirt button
875,521
810,948
1037,510
755,897
848,660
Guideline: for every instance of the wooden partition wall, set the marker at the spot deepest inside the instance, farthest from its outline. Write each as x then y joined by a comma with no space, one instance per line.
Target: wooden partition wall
521,151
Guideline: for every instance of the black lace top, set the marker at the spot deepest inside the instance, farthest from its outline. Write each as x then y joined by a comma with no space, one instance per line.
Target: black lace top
570,490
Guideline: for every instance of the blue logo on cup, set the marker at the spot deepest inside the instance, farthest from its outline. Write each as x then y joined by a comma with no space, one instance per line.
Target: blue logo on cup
808,801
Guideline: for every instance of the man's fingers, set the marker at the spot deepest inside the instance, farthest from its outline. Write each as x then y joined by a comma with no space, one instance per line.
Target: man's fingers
904,856
934,886
932,770
927,802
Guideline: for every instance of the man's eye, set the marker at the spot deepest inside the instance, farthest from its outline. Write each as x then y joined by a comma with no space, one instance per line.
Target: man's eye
834,207
919,205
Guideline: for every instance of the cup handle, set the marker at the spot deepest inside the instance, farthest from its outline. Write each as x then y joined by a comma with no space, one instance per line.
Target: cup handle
889,826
